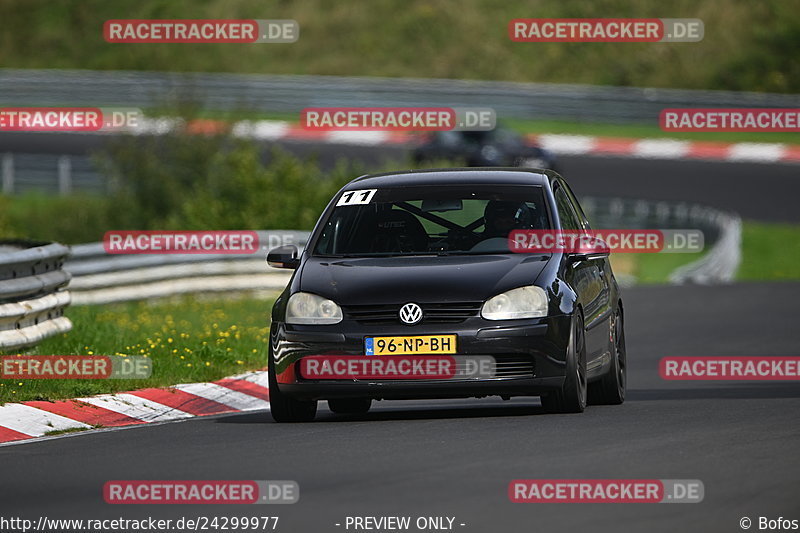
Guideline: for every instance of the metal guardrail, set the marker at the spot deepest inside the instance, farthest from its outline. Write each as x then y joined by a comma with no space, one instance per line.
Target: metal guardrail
99,277
55,173
722,232
282,93
32,301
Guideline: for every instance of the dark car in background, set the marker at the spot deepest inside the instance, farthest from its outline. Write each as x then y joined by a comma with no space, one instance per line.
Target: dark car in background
500,147
426,255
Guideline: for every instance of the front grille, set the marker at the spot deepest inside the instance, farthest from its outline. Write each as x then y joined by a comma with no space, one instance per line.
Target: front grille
507,366
434,313
514,366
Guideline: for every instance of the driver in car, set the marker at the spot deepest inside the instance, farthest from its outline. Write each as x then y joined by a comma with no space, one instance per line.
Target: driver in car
501,217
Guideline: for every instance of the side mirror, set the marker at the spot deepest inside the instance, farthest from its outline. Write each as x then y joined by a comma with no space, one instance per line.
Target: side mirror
583,256
596,249
284,257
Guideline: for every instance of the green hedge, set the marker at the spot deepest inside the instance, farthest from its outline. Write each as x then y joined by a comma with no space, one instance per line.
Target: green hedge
182,182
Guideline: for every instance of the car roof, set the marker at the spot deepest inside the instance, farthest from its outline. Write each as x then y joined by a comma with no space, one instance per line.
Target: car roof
453,176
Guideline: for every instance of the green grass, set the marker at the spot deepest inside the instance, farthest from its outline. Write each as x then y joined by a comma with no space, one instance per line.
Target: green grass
650,268
189,339
656,268
81,217
56,432
770,252
747,45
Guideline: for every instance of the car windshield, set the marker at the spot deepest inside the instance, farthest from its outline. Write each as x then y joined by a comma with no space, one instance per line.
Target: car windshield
428,220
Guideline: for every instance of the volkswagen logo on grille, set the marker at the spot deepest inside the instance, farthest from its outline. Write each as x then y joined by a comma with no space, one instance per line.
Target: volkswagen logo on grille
410,314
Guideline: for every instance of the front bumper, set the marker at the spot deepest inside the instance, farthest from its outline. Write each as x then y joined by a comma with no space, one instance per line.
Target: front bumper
530,358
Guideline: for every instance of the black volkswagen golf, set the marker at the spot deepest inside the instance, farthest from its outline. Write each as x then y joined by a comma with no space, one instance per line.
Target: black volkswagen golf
417,267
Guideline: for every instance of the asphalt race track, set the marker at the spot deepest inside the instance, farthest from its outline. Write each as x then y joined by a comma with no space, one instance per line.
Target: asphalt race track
456,458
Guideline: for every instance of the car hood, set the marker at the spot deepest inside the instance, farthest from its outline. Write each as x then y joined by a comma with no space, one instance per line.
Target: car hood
385,280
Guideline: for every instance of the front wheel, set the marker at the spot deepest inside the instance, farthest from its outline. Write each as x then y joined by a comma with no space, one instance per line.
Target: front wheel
610,390
571,398
286,409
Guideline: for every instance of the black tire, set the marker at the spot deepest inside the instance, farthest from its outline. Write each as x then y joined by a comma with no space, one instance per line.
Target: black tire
573,395
350,406
610,390
286,409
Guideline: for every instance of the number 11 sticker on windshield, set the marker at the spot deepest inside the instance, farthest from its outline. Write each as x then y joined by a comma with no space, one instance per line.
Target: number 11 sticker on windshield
356,197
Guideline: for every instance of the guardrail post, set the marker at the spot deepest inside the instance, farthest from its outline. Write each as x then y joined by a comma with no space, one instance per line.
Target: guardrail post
8,174
64,175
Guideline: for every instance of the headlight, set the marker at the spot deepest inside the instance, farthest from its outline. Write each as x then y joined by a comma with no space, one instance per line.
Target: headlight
307,308
524,302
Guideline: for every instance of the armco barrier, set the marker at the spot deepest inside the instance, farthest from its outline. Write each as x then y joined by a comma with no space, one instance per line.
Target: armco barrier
99,277
722,232
32,301
290,94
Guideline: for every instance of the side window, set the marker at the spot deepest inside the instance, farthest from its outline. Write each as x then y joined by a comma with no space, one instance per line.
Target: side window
577,207
569,221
